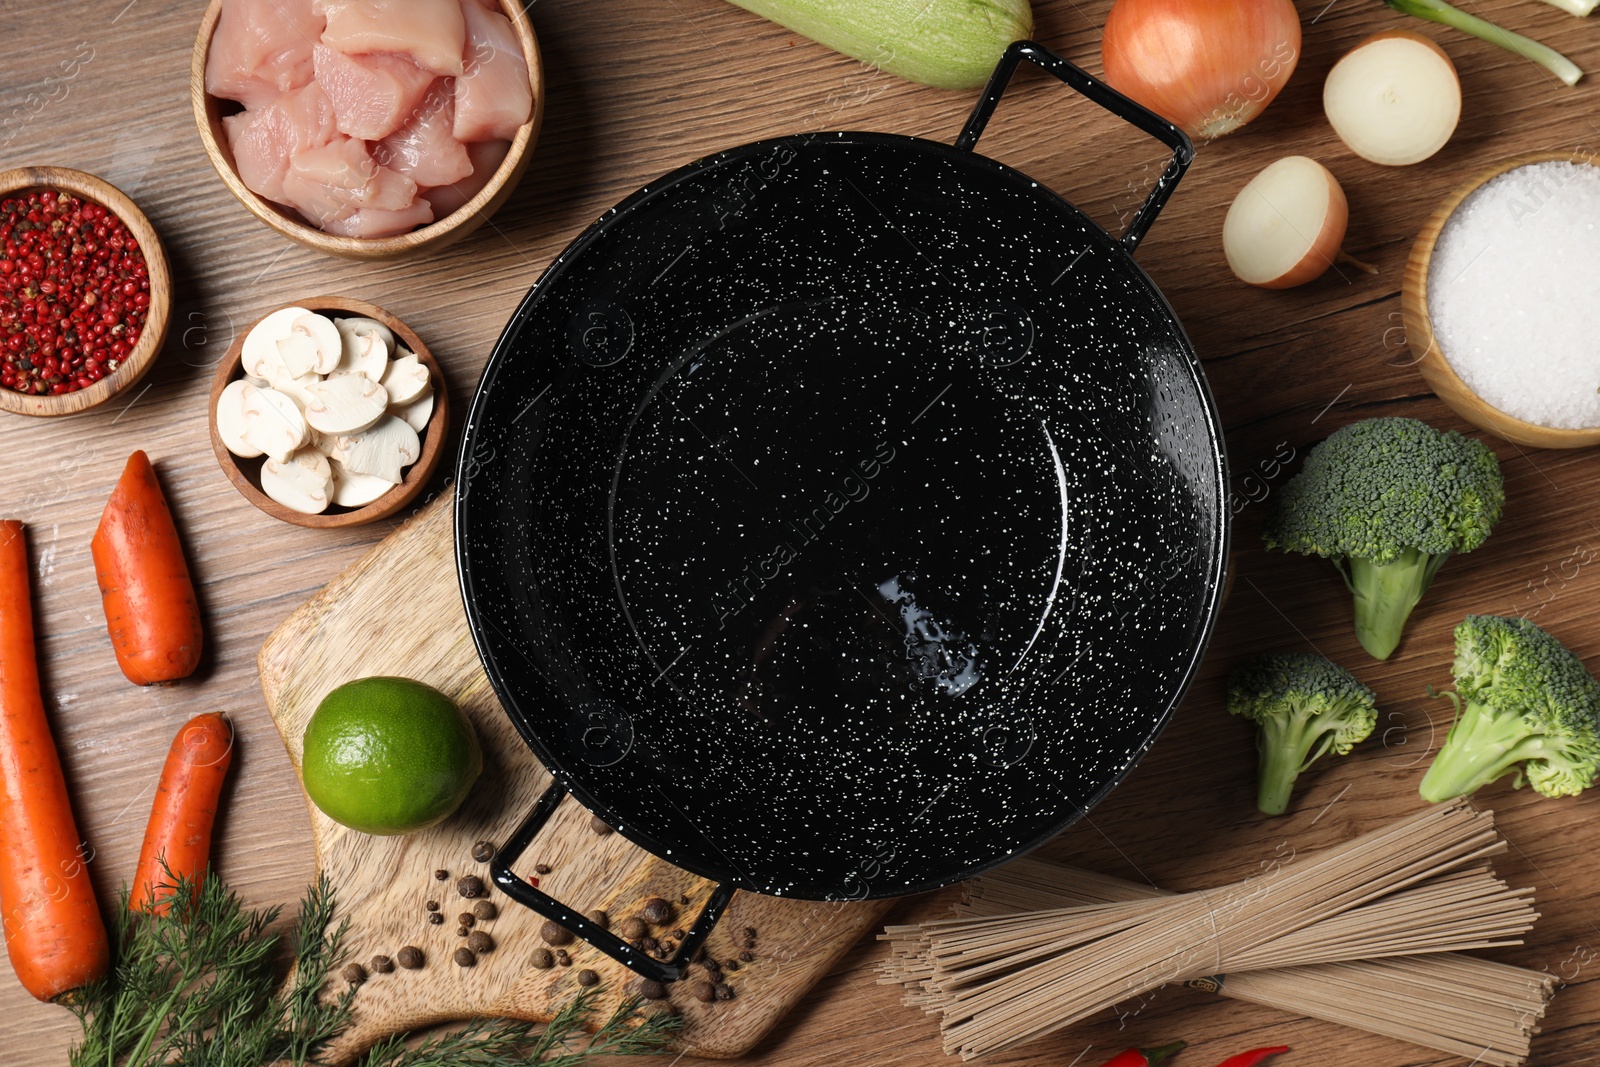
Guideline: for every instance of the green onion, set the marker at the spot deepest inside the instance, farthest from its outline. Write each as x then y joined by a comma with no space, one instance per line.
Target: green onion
1548,58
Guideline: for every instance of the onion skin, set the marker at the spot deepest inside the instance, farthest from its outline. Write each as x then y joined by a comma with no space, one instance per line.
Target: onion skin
1207,66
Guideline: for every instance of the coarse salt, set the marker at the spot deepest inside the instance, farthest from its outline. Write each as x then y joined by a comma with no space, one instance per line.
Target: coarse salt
1514,293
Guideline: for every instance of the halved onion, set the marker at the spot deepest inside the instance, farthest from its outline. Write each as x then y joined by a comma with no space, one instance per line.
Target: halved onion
1207,66
1285,227
1394,98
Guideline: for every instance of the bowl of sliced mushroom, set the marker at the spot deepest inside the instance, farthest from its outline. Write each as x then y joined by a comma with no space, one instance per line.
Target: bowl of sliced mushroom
329,412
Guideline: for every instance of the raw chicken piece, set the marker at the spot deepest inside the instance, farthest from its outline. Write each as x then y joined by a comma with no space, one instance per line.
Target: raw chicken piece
372,96
424,150
494,96
265,138
375,222
486,158
431,32
261,48
334,181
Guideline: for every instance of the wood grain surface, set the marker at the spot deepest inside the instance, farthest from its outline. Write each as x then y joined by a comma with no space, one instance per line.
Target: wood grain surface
398,612
637,87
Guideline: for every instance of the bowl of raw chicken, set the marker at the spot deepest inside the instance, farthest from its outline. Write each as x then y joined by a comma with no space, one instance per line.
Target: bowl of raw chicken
368,128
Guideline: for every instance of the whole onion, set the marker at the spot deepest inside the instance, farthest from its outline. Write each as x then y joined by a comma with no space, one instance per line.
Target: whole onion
1207,66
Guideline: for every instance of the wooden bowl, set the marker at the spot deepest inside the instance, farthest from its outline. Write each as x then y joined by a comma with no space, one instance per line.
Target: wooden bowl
137,362
245,474
1431,359
208,112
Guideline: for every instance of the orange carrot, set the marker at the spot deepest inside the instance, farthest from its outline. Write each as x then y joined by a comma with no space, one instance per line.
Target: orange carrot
53,930
179,830
149,601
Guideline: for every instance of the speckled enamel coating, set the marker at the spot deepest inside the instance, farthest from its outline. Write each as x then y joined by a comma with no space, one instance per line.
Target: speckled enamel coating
842,515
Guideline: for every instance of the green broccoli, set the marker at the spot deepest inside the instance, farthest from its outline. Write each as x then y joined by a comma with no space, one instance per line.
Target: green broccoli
1304,707
1388,501
1524,706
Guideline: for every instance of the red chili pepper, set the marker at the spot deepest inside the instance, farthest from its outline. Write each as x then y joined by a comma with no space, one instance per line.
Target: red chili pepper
1142,1057
1253,1057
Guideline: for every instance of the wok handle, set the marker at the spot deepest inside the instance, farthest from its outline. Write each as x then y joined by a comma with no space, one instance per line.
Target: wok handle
1108,98
517,889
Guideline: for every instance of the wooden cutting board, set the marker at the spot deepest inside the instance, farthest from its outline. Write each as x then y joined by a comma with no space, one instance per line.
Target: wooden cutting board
398,612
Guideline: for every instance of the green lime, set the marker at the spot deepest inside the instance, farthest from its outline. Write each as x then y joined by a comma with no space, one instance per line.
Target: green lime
389,755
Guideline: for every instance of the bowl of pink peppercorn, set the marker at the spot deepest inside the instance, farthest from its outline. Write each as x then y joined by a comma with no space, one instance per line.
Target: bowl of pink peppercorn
84,291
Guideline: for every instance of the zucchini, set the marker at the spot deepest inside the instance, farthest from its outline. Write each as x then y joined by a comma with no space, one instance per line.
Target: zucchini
950,44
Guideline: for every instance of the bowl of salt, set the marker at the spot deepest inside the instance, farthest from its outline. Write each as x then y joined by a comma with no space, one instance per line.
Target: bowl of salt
1500,302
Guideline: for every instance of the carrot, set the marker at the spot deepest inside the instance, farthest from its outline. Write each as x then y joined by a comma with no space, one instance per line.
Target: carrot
179,831
149,601
53,930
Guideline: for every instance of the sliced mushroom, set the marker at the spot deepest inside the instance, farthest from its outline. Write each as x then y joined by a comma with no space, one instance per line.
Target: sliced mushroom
353,490
362,326
417,413
405,378
326,336
230,421
364,354
261,343
297,388
384,451
272,422
345,405
303,482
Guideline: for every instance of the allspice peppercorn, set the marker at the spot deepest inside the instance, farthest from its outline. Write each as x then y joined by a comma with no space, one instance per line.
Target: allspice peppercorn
598,825
483,852
586,977
480,942
354,973
381,964
435,918
554,933
704,992
600,918
656,911
633,928
650,989
470,886
465,957
724,991
543,959
466,919
410,957
485,910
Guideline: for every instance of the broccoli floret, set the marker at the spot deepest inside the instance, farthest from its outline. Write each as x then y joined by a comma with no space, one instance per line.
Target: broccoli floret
1388,501
1304,707
1524,706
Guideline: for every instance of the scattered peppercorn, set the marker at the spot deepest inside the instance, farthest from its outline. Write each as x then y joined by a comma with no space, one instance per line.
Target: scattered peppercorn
354,973
678,933
704,992
470,886
440,876
541,868
683,898
480,942
750,933
649,944
543,959
656,911
485,910
436,919
724,991
633,928
747,956
381,964
483,852
731,965
410,957
554,933
464,957
466,919
432,905
650,989
461,931
562,958
586,977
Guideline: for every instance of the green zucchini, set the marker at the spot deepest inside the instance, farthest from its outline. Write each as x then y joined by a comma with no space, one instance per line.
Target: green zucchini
951,44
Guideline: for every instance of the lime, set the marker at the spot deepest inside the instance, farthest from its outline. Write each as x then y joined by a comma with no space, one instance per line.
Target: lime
389,755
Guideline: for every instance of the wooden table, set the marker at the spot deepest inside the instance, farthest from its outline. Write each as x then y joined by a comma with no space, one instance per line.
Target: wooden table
637,87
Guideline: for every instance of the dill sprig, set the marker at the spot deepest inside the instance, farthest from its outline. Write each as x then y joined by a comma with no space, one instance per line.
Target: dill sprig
198,986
